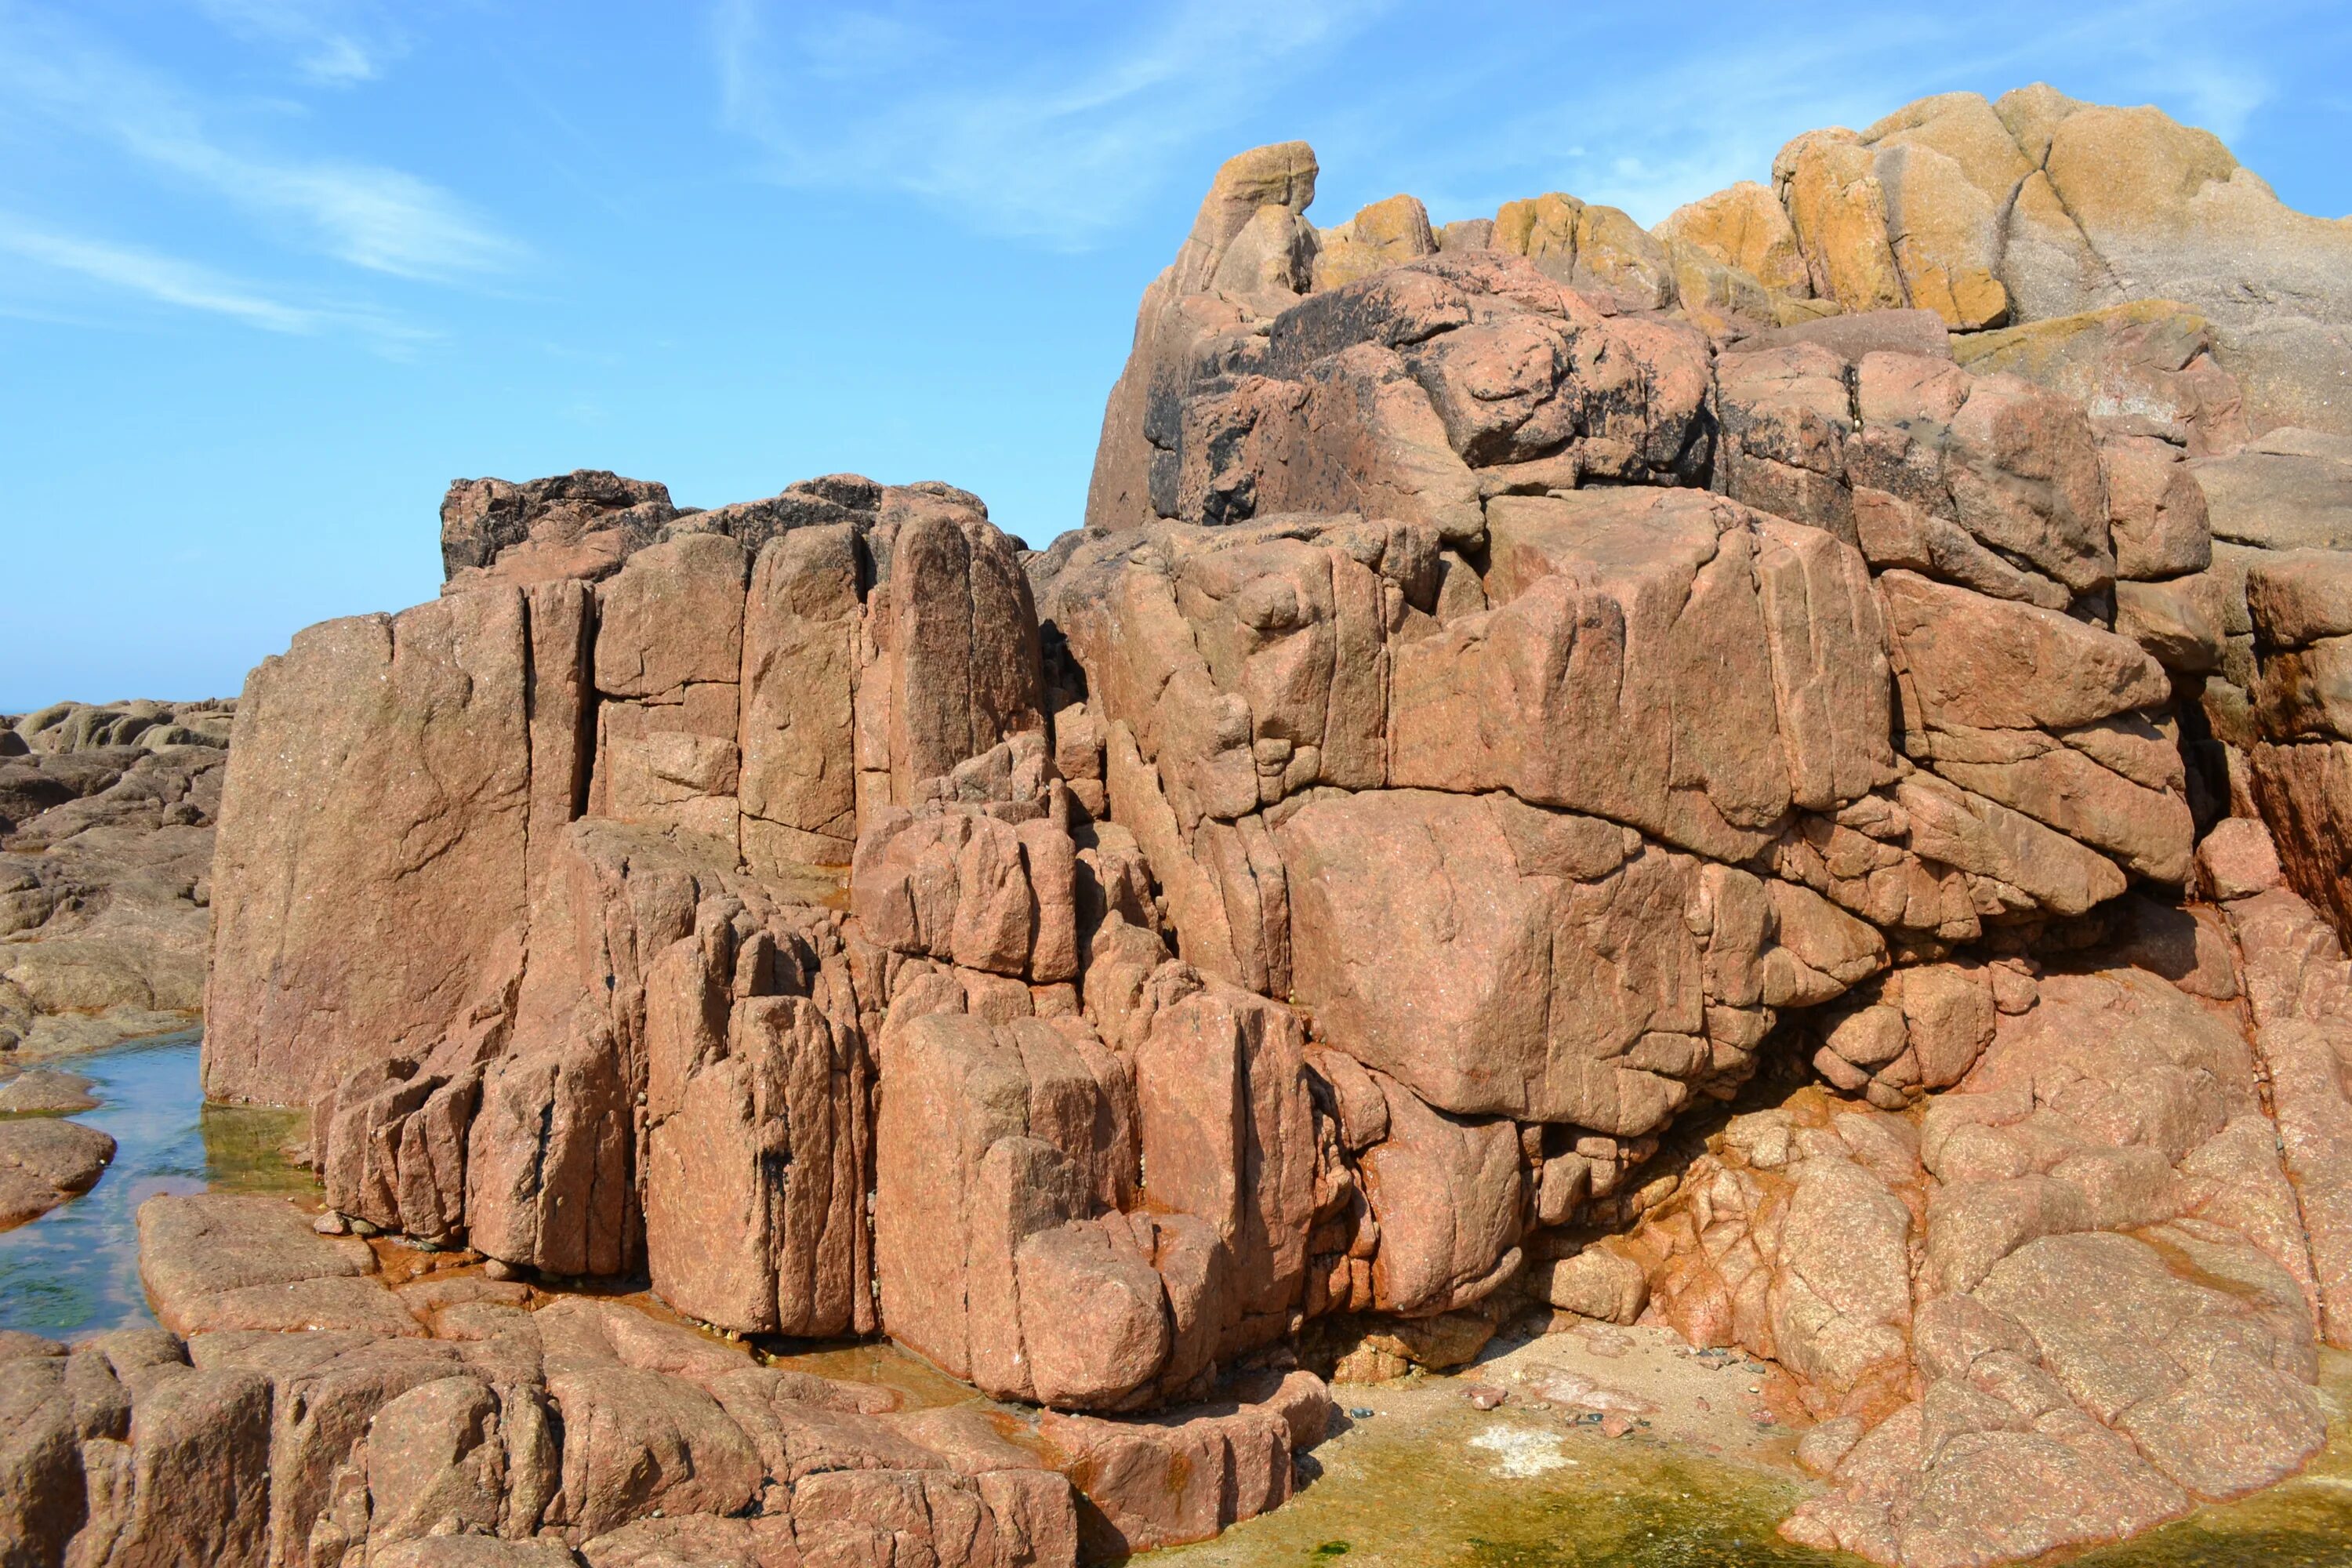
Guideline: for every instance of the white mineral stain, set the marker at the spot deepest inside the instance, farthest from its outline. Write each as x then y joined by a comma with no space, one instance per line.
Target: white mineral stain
1521,1451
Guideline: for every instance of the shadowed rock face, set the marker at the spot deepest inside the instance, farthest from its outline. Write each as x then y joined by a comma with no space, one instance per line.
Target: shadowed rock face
1521,680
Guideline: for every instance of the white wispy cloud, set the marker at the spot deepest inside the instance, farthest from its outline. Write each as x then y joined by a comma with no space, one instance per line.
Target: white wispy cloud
158,277
1059,146
385,220
1065,140
171,280
333,43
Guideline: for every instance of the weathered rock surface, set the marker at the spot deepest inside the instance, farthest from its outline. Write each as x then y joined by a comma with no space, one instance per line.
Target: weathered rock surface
654,697
44,1090
557,1426
106,844
45,1161
580,525
2300,694
1187,1475
1520,678
225,1261
2100,1191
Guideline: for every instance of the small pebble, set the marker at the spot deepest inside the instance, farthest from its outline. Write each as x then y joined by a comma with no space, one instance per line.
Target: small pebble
1614,1426
1764,1419
500,1268
1359,1413
330,1224
1485,1396
362,1228
1702,1403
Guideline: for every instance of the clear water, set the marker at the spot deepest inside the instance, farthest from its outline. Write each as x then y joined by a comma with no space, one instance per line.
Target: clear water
75,1271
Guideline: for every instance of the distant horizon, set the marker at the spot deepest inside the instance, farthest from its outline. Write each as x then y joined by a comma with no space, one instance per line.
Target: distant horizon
274,272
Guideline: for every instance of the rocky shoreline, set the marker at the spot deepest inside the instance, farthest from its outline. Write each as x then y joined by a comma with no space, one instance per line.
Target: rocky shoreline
106,845
1784,780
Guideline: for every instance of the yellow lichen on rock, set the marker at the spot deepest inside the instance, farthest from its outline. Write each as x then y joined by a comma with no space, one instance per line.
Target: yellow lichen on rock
1828,182
1588,245
1541,228
1745,227
1945,233
1382,235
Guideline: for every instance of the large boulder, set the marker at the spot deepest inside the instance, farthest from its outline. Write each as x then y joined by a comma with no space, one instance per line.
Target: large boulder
759,1134
43,1161
1501,959
2167,207
1729,659
2044,210
1744,226
1006,1154
1383,394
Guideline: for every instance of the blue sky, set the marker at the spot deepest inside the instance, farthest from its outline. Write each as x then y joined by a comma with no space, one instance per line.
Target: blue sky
272,272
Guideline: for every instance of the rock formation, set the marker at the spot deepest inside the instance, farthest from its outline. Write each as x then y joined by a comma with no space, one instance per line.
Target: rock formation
106,847
301,1407
1787,666
1522,679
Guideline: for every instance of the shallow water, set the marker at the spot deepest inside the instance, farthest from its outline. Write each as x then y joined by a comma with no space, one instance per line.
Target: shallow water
919,1384
75,1271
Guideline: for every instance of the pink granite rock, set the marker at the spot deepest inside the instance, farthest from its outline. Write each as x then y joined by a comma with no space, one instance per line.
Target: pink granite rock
1163,1480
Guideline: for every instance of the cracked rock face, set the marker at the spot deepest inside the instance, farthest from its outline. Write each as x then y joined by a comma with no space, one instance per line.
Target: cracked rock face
1523,685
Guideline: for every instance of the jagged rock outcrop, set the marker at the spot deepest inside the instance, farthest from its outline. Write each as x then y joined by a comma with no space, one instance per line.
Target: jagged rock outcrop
2101,273
742,879
640,699
1914,690
1521,680
106,847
